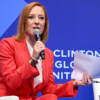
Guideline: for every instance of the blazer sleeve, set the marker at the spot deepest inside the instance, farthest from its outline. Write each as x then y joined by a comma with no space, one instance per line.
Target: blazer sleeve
61,90
14,77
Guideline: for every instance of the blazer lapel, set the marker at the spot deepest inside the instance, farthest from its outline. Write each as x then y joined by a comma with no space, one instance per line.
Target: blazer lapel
44,64
24,53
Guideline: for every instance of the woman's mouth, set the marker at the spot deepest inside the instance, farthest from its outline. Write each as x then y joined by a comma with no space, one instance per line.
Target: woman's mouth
36,28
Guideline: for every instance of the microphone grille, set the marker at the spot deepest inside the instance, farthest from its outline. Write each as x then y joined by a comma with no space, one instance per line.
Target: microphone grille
36,31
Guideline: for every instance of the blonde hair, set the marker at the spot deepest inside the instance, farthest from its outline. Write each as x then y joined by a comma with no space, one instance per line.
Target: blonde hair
23,19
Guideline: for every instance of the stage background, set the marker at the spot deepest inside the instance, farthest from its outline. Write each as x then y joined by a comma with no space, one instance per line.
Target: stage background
74,25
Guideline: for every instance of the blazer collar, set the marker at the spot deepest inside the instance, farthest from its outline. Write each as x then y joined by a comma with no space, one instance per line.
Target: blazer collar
23,50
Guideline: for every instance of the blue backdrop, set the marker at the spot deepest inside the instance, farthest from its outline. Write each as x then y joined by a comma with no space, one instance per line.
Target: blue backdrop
74,25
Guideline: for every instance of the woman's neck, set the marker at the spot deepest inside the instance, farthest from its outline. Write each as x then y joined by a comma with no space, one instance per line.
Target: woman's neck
30,39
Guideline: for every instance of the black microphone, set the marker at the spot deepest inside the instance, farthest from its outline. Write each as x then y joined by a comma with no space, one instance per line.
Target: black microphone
37,34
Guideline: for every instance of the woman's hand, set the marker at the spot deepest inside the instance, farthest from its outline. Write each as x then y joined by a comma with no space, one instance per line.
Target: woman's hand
37,48
84,82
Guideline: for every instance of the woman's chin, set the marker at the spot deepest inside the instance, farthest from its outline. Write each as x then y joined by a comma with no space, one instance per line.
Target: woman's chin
30,34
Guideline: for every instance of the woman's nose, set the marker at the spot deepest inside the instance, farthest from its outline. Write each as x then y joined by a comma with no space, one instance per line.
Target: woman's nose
36,21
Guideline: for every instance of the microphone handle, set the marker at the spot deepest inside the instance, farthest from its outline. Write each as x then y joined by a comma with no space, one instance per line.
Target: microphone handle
42,54
38,38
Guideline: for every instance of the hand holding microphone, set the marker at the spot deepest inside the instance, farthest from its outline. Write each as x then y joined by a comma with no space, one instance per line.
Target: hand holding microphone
39,47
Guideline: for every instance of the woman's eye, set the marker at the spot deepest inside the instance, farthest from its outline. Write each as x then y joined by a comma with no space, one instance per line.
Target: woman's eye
42,18
30,17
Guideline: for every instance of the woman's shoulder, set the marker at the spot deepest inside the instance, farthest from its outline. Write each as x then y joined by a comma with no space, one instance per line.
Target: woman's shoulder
48,51
8,41
7,44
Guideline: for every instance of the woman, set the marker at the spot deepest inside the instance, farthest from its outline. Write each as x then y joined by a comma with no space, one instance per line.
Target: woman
22,71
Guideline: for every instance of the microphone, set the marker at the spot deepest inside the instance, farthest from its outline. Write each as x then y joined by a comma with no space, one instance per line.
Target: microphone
37,34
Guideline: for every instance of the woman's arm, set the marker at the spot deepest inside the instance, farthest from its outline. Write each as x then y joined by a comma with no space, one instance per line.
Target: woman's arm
61,90
14,76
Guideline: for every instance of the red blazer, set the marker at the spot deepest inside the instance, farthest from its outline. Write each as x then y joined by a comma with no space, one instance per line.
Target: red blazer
17,75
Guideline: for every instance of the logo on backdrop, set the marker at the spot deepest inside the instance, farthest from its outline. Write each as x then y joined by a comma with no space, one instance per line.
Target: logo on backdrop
63,64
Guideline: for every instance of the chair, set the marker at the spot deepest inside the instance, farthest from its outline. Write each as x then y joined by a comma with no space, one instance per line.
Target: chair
96,89
9,98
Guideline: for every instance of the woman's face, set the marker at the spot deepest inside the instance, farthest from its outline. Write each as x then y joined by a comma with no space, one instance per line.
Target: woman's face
36,19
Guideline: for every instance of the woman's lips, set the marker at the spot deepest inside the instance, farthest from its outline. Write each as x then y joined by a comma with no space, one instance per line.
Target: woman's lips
36,28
